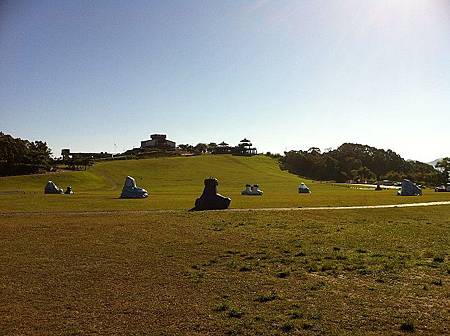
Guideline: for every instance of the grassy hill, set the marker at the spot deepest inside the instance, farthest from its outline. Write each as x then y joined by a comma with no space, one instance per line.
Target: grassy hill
175,182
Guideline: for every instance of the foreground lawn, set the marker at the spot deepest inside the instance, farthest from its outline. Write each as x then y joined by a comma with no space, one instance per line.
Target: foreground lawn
377,271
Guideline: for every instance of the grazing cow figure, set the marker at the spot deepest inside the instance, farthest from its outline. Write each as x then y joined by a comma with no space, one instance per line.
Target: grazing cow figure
210,199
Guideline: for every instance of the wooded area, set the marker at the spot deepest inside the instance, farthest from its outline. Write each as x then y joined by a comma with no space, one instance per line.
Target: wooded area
359,163
20,157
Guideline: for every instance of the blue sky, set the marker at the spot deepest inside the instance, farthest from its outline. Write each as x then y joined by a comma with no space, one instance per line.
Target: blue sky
104,75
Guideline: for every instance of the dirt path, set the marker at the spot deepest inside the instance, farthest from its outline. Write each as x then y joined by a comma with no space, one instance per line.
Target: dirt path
116,212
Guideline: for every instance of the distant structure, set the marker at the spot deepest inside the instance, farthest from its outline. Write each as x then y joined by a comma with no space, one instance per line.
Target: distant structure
67,154
222,148
243,148
158,141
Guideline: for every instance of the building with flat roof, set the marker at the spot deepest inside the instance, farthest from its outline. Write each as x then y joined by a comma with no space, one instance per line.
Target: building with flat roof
158,141
67,154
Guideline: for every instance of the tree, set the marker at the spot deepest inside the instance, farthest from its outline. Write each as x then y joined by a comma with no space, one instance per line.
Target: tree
356,161
212,146
186,147
86,162
200,148
19,156
365,174
444,166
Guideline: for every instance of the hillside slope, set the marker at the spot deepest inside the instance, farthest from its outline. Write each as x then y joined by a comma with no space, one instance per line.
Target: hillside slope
175,183
167,174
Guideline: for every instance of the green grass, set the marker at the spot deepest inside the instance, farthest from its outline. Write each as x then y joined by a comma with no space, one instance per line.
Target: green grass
362,272
175,183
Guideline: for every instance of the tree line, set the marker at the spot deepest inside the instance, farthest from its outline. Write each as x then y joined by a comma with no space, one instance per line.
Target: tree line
358,163
348,162
18,157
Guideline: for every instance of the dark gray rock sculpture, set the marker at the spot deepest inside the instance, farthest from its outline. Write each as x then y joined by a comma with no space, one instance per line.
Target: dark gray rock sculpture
69,191
52,188
131,190
303,189
409,189
210,199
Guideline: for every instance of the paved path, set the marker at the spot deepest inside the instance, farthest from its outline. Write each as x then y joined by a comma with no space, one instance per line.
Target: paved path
364,186
118,212
352,207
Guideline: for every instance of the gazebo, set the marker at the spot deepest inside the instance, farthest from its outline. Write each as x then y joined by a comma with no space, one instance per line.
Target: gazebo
245,147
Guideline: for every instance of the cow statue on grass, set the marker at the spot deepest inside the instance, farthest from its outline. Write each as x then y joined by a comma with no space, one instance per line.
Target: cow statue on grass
210,199
52,188
303,189
409,189
252,190
131,190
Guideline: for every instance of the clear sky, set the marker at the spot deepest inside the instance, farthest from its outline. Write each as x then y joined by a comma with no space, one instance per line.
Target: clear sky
104,75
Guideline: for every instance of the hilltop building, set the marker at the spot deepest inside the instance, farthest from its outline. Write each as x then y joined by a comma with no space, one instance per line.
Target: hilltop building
158,141
67,154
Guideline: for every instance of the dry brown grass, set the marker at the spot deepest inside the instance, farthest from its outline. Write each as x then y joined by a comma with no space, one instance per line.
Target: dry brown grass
347,272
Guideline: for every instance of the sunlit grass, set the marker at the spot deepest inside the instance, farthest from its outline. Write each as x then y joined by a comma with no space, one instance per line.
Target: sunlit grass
377,271
175,183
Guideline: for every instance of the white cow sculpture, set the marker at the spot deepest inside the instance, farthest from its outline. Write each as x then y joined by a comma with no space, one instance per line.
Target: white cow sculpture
303,189
52,188
252,190
131,190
